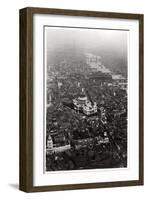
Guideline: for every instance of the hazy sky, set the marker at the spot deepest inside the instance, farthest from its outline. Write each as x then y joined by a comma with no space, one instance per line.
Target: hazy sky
101,40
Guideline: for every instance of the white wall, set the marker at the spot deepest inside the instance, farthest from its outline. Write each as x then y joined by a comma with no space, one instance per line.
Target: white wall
9,86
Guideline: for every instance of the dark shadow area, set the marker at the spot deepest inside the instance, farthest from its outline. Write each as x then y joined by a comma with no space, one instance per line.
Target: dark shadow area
14,185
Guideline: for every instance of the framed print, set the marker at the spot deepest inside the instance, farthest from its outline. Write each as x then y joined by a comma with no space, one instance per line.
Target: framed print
81,99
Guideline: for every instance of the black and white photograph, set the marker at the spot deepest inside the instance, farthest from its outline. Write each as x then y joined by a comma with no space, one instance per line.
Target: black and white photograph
85,98
81,99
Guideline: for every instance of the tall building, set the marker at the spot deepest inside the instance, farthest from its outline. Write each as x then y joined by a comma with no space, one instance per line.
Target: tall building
85,105
50,148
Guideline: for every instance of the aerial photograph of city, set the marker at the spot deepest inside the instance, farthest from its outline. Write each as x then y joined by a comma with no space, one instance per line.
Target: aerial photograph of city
85,98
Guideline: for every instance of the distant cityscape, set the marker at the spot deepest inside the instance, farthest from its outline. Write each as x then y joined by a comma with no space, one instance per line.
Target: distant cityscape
86,114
